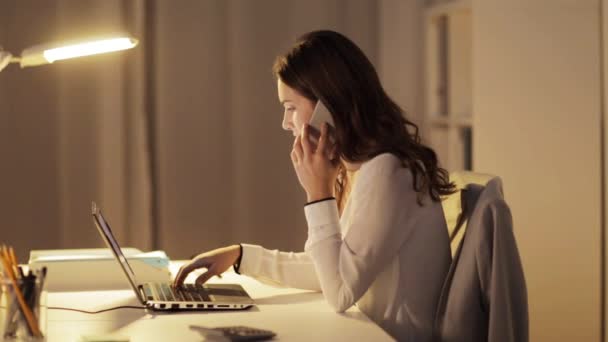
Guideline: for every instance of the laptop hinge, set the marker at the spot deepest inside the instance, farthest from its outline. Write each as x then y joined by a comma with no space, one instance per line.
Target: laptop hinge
142,295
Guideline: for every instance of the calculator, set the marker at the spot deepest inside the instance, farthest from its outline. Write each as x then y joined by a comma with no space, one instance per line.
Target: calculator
243,333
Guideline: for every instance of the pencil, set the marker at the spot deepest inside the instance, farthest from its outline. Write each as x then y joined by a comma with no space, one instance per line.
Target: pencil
5,256
18,272
11,252
3,251
29,317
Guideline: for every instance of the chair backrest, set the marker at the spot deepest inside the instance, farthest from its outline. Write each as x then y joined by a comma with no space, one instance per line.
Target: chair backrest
484,296
452,204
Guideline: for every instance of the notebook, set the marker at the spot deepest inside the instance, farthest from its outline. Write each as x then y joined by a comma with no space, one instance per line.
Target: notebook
162,296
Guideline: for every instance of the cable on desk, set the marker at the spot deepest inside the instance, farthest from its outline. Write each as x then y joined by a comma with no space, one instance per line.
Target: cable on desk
95,312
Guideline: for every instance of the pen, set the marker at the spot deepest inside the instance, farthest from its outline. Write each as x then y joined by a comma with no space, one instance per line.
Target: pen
28,288
27,313
42,278
12,310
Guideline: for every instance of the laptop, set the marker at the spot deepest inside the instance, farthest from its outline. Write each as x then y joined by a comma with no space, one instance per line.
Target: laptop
162,296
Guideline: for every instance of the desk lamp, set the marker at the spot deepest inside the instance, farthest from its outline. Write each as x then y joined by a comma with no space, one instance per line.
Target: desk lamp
49,53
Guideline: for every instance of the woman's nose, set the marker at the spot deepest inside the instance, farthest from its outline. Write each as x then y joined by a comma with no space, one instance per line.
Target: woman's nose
286,121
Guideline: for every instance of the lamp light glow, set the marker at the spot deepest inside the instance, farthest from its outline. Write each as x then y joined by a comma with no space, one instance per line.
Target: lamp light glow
49,53
89,48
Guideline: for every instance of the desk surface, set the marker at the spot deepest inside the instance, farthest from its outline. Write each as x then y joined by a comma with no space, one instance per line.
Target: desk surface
294,315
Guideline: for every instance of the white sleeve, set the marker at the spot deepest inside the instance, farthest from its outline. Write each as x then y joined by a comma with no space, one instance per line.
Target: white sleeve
283,269
378,225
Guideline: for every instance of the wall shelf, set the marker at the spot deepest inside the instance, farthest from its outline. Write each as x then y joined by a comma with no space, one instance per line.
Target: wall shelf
448,82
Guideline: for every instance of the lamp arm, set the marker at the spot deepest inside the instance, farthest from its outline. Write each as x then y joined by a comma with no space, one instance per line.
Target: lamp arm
5,59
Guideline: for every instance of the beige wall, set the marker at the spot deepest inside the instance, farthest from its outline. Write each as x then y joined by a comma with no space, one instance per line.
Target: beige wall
89,99
224,170
604,61
400,54
68,129
28,140
536,124
74,132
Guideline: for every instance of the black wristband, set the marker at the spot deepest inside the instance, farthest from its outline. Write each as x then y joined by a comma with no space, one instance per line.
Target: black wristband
321,200
237,264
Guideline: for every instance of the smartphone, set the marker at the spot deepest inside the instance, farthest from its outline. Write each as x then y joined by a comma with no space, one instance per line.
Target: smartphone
320,115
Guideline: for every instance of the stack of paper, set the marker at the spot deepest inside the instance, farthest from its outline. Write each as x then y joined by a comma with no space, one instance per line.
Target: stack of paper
97,268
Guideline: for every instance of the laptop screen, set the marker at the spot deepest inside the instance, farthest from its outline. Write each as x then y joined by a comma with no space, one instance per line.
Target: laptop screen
108,237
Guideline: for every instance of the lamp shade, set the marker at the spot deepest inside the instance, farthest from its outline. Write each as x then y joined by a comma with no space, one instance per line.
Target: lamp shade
49,53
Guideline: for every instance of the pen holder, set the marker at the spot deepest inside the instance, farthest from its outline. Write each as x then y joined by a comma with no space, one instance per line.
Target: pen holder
13,321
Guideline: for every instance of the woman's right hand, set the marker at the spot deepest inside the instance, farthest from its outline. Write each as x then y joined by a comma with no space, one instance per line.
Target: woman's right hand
216,262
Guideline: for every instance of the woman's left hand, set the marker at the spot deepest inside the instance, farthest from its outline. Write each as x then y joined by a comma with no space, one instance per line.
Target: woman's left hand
314,167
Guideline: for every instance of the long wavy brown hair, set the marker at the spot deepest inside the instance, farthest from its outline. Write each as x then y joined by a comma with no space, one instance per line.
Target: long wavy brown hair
327,66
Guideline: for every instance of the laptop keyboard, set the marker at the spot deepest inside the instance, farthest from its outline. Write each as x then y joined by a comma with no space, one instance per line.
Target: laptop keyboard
186,293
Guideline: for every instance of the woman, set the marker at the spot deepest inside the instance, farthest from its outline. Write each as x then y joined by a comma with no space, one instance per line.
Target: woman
380,242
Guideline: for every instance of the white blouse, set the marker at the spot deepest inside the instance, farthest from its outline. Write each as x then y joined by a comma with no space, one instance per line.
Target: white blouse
386,253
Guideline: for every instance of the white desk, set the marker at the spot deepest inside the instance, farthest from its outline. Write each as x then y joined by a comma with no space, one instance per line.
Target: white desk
294,315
